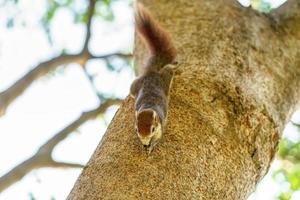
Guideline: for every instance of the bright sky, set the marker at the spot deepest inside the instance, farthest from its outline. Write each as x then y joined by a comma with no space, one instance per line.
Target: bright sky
274,3
54,101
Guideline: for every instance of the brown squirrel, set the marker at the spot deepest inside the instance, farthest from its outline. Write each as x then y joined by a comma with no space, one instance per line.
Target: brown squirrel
151,89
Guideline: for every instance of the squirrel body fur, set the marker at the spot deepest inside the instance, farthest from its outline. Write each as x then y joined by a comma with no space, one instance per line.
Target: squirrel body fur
151,89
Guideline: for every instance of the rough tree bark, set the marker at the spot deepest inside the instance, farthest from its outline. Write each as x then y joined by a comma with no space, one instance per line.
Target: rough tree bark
235,89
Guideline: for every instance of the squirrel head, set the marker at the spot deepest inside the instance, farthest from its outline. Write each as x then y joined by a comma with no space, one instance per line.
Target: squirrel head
148,127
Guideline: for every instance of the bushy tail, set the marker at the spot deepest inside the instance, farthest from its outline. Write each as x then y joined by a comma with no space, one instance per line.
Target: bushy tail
157,40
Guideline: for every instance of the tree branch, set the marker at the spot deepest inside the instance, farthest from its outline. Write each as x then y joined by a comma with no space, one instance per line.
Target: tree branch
14,91
107,56
90,13
43,157
20,86
50,144
295,124
17,89
65,165
91,79
17,173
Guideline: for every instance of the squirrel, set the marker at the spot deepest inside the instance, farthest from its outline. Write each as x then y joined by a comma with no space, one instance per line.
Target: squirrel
151,89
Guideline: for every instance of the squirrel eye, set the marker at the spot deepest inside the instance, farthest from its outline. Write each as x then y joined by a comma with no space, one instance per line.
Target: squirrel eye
153,129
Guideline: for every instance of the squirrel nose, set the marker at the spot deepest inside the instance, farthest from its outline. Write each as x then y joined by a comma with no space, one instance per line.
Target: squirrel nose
146,146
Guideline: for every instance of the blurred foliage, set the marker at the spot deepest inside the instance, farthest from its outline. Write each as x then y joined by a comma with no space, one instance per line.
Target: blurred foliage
289,173
10,22
79,11
31,196
261,6
78,8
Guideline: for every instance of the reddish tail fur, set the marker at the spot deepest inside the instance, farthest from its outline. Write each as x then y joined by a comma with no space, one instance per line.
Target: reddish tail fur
157,40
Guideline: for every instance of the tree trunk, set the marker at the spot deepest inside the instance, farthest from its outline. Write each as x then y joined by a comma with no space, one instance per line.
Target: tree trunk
236,86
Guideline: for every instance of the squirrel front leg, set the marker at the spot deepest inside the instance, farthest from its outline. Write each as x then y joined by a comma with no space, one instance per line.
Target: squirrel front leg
135,86
167,74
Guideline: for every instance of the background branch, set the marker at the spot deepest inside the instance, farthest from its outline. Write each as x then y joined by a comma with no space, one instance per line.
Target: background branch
43,157
295,124
65,165
20,86
90,13
91,79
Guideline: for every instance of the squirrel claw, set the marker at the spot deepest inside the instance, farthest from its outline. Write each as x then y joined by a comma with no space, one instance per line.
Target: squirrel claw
148,148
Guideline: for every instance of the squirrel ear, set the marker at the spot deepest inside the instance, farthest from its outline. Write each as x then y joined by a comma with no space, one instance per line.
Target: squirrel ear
154,114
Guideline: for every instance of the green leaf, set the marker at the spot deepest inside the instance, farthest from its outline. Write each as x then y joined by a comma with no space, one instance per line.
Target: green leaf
52,198
103,9
107,2
285,196
10,23
31,196
109,65
261,6
294,178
